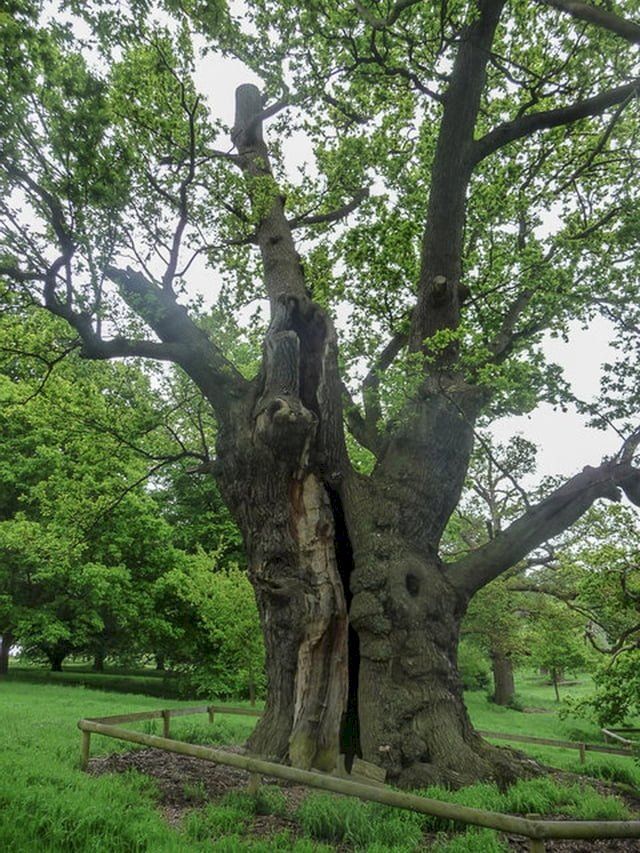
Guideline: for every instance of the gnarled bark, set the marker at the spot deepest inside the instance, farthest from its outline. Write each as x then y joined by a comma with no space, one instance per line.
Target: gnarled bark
503,684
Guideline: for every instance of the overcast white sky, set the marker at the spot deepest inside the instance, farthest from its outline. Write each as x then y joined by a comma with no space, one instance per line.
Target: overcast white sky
565,443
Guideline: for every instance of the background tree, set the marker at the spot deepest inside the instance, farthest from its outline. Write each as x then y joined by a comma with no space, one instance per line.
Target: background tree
498,615
607,551
491,150
558,642
82,542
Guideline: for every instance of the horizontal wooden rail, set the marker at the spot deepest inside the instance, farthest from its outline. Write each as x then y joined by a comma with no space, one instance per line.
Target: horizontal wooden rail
616,735
625,729
166,713
561,744
534,829
176,712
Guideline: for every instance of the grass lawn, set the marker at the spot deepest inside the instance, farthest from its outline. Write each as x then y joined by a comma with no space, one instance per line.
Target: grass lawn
538,696
47,804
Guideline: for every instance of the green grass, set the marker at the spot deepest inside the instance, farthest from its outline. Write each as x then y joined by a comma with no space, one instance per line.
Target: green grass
368,826
536,693
46,804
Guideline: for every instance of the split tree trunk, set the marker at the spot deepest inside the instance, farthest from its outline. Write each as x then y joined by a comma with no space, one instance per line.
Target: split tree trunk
503,683
359,621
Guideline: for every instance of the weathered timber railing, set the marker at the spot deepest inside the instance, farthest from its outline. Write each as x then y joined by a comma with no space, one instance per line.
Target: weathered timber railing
582,747
536,830
616,734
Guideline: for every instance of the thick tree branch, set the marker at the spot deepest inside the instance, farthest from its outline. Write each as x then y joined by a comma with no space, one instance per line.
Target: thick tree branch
547,119
358,426
332,215
282,267
18,275
542,522
439,290
371,383
599,16
189,345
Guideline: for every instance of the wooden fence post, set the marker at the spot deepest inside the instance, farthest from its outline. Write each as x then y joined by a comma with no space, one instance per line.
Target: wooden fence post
84,750
254,784
582,747
211,713
166,724
536,845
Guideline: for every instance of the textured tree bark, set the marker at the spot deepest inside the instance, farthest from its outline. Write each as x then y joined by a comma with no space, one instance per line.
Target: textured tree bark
360,620
503,683
555,678
6,641
273,474
411,713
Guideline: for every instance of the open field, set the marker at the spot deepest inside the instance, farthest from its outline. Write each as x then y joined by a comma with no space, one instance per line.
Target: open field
146,682
47,804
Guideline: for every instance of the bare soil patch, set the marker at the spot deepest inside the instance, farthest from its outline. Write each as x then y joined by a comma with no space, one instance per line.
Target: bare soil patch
186,783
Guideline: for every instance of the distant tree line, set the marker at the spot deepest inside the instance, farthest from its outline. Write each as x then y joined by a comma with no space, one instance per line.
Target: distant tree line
111,549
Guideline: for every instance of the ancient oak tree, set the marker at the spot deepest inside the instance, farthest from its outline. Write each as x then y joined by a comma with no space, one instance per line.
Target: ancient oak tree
470,185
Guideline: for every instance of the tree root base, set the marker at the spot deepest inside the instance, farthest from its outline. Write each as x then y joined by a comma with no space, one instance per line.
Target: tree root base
494,764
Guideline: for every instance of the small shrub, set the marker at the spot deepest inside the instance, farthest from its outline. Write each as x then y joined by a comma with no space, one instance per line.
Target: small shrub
547,796
330,818
270,800
533,796
199,732
473,667
240,801
144,786
594,806
516,703
480,796
281,842
607,772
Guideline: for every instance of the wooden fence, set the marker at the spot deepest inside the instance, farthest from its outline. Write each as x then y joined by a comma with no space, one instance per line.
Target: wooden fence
582,747
536,830
617,734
